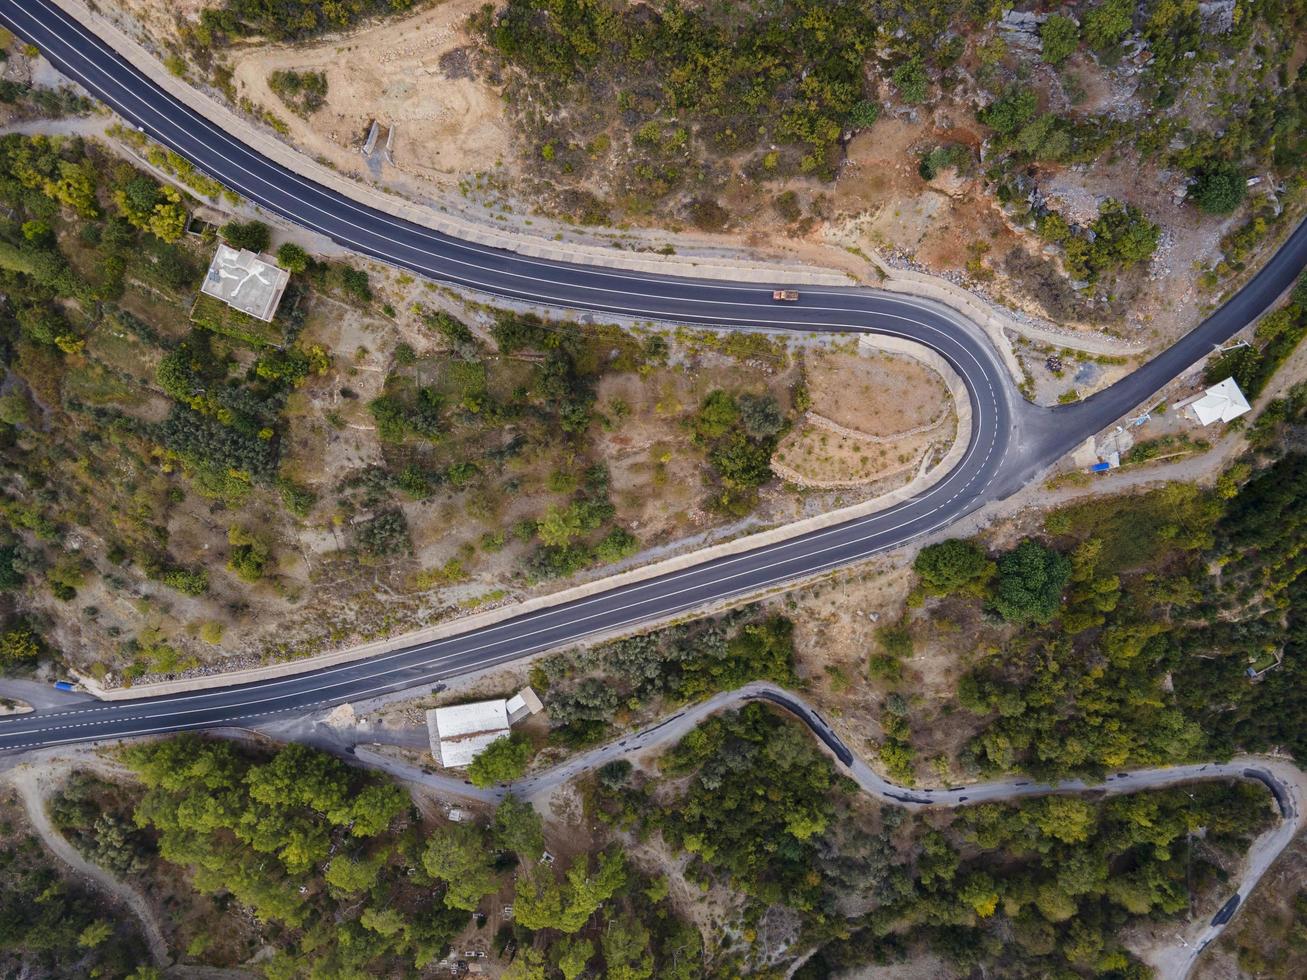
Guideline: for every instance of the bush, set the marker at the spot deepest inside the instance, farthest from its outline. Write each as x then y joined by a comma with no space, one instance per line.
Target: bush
381,536
910,80
896,640
186,581
1011,111
252,235
864,114
355,283
297,499
1220,188
304,92
249,555
707,215
19,646
942,158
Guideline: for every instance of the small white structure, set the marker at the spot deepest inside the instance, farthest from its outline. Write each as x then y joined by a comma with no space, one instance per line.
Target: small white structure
245,281
523,703
460,732
1220,403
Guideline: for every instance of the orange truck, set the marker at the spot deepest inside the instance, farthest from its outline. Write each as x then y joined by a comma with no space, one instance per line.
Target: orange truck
789,295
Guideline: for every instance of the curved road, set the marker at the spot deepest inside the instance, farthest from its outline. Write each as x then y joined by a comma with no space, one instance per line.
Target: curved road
1010,440
1284,780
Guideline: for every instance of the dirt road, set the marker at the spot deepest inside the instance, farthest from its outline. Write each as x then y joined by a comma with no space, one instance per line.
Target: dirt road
33,786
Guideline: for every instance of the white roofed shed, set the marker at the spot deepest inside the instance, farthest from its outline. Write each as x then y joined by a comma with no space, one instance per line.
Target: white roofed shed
1222,402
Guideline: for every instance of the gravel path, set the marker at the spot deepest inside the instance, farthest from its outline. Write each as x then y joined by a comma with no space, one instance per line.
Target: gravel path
33,786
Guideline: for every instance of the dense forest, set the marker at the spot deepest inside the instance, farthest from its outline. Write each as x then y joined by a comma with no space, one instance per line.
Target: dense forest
345,878
53,926
1147,629
1040,888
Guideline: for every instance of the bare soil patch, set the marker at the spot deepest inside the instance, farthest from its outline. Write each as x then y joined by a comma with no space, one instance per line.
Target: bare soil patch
874,417
412,74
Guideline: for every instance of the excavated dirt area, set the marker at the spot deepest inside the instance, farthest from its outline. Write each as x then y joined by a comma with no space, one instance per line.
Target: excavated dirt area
411,74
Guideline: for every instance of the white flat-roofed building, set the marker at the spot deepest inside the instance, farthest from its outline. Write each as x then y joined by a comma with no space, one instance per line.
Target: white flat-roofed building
460,732
245,281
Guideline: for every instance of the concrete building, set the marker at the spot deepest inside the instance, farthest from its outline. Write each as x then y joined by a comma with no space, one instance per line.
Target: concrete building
245,281
1222,402
460,732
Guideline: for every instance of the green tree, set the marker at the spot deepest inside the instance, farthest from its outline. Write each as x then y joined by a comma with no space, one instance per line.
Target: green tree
626,949
292,258
502,761
1030,582
1059,36
351,876
528,965
1069,819
456,854
95,934
1106,24
559,526
252,235
14,409
955,565
518,828
384,922
1220,188
574,955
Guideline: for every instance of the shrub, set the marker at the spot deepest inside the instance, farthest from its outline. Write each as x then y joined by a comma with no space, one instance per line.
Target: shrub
910,80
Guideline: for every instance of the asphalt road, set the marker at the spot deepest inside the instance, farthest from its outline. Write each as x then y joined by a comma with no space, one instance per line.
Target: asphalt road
1172,962
1010,440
